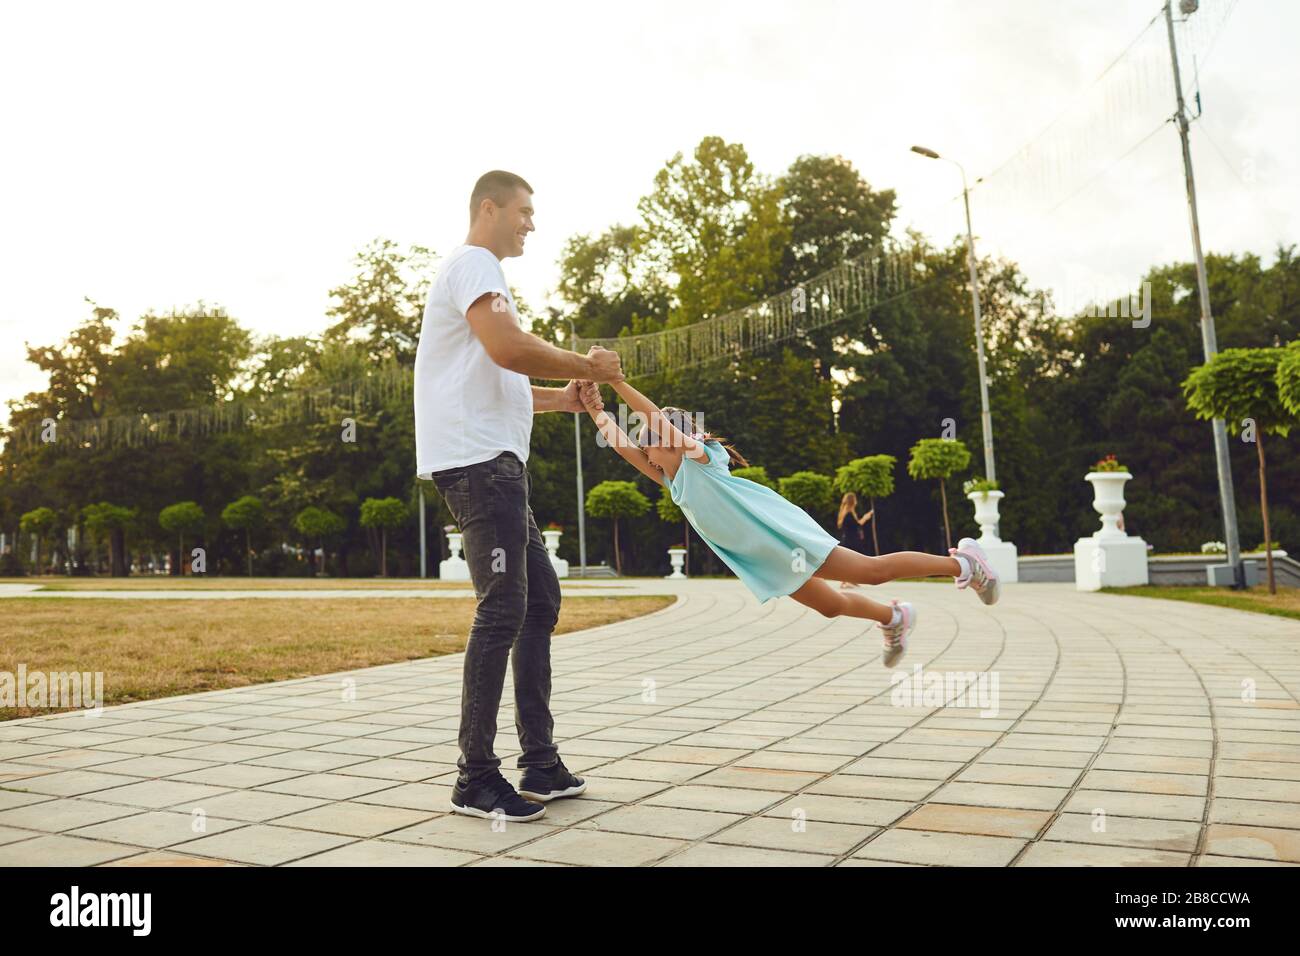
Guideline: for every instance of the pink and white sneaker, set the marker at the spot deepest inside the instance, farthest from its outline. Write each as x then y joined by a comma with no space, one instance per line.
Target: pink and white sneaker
896,634
982,578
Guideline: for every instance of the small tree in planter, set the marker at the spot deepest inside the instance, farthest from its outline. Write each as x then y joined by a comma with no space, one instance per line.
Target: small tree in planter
614,500
939,458
669,512
384,514
756,474
1241,386
872,477
105,520
38,522
246,514
809,490
181,518
317,524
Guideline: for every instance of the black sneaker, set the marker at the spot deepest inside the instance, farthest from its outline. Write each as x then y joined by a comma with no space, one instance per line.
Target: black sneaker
493,796
550,783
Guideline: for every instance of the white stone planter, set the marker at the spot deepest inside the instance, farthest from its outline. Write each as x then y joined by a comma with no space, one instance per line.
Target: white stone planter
1111,557
552,539
676,557
454,568
1002,554
1108,500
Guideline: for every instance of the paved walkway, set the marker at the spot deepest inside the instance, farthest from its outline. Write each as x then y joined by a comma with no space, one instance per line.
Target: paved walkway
1127,732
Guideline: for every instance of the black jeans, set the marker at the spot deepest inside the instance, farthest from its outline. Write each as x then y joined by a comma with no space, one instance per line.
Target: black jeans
518,605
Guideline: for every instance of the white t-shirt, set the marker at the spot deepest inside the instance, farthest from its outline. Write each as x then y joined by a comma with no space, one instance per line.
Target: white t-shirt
468,409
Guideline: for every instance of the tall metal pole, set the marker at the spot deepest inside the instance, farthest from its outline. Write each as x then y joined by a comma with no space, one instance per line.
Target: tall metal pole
424,566
1227,501
986,417
577,450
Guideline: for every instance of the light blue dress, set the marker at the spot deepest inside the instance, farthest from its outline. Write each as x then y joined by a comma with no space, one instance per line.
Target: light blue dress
772,545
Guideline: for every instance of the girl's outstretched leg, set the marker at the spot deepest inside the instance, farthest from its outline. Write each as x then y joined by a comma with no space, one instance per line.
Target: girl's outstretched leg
827,601
843,564
896,619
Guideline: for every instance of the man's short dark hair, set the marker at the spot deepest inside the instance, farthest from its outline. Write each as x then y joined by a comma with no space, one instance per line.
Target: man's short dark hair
497,185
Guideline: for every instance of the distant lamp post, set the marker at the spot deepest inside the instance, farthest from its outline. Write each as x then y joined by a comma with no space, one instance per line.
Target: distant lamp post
986,419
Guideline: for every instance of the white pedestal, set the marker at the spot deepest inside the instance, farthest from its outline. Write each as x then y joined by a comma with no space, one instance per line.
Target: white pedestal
1004,557
454,568
1002,554
551,538
1118,561
677,558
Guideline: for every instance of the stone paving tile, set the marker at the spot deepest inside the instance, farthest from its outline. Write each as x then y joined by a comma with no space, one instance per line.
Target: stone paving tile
1177,835
725,799
167,858
876,788
721,854
1262,813
768,744
597,848
985,821
805,836
1015,797
385,853
1081,854
1263,843
941,849
354,819
253,806
672,822
833,809
59,850
55,816
1153,805
262,844
155,828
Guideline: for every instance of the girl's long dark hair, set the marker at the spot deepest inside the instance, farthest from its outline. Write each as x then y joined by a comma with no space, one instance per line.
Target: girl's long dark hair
682,420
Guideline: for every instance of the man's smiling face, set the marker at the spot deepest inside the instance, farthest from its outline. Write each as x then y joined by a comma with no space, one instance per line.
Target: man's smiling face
515,222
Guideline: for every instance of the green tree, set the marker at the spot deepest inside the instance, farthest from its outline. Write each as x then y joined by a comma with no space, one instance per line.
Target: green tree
614,500
247,514
1241,386
809,491
939,458
383,304
105,520
872,477
671,514
181,518
38,522
318,524
384,514
716,225
756,474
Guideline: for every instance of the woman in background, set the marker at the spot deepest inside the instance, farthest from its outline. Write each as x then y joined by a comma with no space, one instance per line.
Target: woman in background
850,527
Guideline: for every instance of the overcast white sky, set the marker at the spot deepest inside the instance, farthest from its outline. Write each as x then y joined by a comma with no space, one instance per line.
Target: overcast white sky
161,154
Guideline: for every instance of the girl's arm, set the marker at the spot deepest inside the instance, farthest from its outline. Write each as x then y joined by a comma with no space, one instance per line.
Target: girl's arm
617,438
866,517
668,433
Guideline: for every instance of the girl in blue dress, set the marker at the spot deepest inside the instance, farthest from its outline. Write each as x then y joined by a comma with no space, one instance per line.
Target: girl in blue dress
774,546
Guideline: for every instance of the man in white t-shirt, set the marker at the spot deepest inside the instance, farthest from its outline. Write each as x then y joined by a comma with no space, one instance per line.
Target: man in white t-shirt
474,408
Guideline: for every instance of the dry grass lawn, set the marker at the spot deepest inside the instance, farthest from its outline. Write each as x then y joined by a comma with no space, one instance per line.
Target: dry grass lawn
150,649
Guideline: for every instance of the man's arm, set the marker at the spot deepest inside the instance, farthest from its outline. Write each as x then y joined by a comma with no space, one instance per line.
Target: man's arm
556,399
511,347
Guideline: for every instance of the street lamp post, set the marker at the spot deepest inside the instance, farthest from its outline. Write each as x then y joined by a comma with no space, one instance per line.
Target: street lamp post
577,449
986,418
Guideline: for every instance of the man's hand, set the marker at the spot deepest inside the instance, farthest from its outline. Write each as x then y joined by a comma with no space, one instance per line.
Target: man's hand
589,394
605,365
570,399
